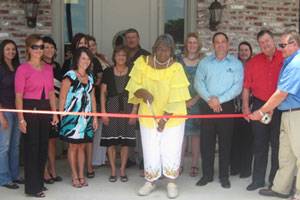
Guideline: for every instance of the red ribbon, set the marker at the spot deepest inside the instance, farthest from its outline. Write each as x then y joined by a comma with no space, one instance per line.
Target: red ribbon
120,115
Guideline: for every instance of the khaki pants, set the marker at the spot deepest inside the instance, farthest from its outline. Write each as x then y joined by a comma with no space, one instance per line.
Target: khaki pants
289,153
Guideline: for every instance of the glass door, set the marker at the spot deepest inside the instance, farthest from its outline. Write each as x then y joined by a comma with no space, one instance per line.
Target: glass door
76,20
174,21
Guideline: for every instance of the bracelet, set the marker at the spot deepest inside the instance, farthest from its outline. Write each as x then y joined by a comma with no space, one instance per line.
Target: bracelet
261,113
165,119
22,121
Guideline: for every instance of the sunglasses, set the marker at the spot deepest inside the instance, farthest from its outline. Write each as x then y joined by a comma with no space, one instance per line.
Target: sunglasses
283,45
36,47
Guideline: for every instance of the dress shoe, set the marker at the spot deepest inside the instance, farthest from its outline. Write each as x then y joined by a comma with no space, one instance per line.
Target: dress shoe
11,185
204,180
19,181
271,193
254,186
225,183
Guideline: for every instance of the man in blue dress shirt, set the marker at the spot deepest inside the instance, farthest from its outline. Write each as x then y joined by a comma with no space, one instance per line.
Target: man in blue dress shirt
218,80
287,98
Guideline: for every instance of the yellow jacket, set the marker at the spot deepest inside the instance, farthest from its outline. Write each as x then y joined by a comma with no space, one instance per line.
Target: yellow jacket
169,88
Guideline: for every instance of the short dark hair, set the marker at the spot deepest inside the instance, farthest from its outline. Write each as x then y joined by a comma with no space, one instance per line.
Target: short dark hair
131,30
49,40
263,32
219,33
76,57
117,50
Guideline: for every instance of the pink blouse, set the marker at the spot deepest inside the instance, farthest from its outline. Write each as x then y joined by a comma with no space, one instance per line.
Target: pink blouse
31,82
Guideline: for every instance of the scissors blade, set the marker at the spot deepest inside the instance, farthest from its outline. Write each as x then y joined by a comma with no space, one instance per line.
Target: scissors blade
152,113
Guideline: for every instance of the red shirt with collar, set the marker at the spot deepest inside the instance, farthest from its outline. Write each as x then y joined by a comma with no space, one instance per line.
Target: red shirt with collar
261,75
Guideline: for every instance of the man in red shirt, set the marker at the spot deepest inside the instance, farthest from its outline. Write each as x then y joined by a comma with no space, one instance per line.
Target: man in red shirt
261,76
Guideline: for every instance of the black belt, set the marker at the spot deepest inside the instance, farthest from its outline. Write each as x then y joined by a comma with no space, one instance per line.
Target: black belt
290,110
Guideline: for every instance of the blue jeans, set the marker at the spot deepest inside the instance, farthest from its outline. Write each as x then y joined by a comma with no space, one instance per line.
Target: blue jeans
9,150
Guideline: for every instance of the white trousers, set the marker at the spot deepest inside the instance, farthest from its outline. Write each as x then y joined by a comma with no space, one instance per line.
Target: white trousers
99,152
162,151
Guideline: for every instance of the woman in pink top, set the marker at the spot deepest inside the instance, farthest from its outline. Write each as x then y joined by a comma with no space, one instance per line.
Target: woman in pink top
34,89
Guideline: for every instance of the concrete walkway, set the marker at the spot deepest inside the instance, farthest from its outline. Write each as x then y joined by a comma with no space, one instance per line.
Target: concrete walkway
100,189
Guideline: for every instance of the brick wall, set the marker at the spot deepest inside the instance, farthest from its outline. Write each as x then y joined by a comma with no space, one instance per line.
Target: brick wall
13,23
243,19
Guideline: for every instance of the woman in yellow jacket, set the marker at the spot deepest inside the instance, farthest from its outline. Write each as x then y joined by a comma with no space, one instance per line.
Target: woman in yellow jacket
160,87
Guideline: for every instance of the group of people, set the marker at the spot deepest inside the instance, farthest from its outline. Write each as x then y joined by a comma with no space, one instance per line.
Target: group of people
159,83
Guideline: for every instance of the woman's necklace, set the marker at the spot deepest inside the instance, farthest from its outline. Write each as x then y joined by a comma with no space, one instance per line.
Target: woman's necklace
166,63
82,76
193,58
120,72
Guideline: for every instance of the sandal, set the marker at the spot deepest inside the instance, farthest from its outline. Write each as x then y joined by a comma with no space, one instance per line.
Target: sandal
11,185
124,178
19,181
56,178
76,183
112,179
49,181
44,189
83,182
38,195
90,174
194,171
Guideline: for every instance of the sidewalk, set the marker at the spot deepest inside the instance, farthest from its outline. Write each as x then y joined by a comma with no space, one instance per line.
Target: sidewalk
101,189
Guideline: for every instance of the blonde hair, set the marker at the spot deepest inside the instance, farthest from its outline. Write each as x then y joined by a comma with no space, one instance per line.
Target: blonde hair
191,35
29,41
292,35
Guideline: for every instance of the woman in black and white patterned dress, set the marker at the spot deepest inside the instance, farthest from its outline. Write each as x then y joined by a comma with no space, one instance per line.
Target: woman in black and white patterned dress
114,98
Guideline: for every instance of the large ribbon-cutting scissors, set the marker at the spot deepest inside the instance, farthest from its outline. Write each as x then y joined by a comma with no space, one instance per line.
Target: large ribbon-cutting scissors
152,113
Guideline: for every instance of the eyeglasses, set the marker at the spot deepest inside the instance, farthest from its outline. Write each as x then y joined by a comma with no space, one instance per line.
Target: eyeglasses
36,47
283,45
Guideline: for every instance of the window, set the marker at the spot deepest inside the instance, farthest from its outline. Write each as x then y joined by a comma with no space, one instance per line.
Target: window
76,19
174,20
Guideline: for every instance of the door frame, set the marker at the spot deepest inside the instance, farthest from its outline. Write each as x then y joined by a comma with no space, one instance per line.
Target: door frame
58,24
